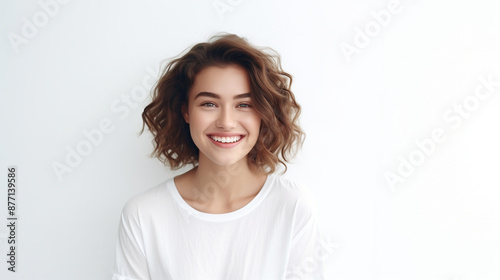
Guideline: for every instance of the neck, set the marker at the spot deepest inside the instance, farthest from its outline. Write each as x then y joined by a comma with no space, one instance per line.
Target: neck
226,183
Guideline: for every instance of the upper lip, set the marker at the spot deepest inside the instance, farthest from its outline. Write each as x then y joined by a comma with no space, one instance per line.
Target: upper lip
222,134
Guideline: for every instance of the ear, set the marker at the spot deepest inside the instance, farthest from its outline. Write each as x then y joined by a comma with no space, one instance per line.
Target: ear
185,113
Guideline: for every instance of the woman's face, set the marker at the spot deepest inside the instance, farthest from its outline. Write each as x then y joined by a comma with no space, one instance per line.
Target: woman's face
223,124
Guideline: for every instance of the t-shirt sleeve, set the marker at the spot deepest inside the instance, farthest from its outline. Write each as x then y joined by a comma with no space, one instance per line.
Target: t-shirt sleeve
130,257
307,255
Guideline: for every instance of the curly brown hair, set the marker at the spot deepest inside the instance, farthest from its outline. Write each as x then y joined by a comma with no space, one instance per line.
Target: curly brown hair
280,135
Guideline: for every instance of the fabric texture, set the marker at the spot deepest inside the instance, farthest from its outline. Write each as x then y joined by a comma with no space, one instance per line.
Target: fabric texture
275,236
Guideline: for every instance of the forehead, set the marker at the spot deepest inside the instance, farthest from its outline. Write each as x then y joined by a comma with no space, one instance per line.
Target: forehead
226,81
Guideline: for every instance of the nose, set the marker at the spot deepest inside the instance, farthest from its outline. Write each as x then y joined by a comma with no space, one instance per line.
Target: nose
226,119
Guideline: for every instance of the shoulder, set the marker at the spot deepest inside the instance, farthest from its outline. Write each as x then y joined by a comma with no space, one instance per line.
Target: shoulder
291,189
146,200
298,201
294,193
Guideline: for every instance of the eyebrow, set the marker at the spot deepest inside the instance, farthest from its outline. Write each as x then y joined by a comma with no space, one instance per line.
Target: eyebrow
214,95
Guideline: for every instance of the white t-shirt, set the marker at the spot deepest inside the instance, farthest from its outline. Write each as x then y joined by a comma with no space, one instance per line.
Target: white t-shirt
275,236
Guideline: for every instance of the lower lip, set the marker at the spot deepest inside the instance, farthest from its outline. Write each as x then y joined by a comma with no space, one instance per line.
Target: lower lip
226,145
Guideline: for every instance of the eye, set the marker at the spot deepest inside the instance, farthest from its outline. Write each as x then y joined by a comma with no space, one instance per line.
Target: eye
245,105
207,104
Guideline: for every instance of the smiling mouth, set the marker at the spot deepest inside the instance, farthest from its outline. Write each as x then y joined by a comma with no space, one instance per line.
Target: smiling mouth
226,140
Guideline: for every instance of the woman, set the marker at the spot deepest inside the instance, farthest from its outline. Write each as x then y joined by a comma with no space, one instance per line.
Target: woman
226,108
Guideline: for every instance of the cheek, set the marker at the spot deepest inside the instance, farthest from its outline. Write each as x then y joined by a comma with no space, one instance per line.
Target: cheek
199,117
197,122
253,125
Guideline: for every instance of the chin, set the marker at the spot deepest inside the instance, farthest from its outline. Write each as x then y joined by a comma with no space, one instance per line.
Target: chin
226,161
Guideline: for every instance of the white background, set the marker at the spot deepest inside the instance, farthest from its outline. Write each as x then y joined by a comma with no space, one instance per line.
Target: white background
362,113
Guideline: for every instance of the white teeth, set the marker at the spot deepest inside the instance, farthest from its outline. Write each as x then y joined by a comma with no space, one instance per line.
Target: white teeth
226,139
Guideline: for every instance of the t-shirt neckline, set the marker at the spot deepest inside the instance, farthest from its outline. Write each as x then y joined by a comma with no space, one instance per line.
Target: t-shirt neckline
224,216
